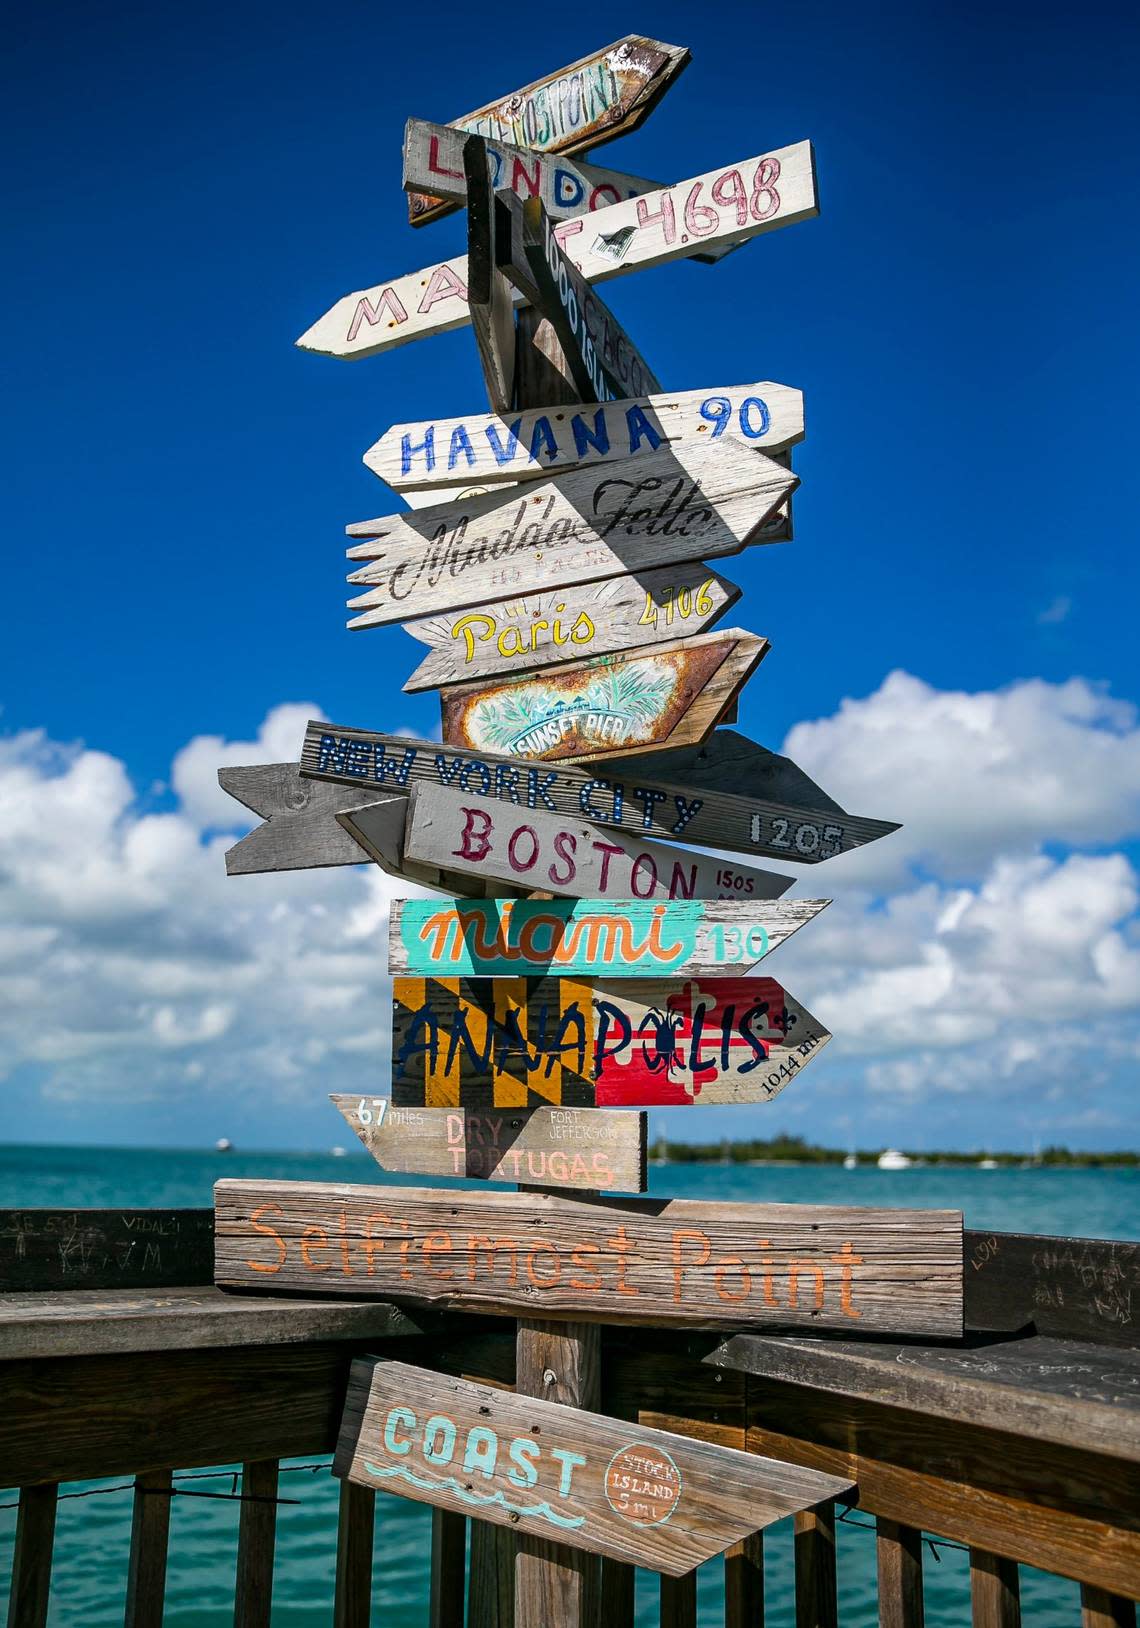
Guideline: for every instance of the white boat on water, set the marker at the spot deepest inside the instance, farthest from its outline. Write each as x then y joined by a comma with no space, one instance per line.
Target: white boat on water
892,1159
223,1145
850,1162
987,1164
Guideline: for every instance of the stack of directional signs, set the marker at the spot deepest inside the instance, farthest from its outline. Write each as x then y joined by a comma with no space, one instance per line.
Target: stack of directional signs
590,956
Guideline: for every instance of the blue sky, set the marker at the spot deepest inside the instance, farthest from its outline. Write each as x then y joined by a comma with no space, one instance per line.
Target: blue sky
193,187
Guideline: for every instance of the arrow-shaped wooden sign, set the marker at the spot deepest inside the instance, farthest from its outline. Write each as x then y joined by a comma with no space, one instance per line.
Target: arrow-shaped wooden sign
547,853
591,101
678,504
607,706
300,831
728,761
603,1151
604,362
714,819
546,1471
590,938
726,205
544,630
485,449
639,1043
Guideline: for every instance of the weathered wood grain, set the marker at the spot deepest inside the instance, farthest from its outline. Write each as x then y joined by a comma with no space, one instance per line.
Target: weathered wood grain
549,629
1099,1609
899,1557
659,1499
604,362
257,1537
566,856
619,705
995,1591
677,1262
150,1537
575,108
727,205
588,938
489,449
744,1583
519,1042
104,1249
816,1605
489,292
30,1585
1078,1288
579,527
714,819
727,761
377,827
448,1569
355,1535
299,830
557,1147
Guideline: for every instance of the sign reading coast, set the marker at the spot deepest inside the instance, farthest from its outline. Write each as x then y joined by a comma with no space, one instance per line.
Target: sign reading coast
643,1496
676,1262
634,1043
623,938
714,819
678,504
546,852
549,1147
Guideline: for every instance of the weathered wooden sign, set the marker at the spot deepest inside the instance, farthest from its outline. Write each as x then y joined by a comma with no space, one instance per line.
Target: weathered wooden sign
679,504
714,819
489,292
591,101
587,938
674,1262
601,1150
485,450
604,362
726,205
608,706
639,1043
546,630
377,831
299,829
548,853
643,1496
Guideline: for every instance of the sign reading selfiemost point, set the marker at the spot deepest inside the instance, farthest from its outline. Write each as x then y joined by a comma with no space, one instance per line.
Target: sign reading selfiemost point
643,1496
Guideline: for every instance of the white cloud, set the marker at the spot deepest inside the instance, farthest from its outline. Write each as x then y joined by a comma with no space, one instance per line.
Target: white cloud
195,773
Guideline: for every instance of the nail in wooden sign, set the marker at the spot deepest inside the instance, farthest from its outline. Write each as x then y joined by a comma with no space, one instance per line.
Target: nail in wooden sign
488,291
604,362
591,101
482,449
679,504
713,819
563,856
585,938
603,1151
675,1263
546,630
724,206
647,1497
639,1043
615,705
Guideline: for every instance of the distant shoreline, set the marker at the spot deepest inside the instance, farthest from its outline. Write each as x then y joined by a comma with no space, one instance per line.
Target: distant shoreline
794,1151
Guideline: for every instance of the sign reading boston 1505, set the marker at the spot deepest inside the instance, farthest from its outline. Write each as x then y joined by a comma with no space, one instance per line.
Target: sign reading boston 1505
641,1495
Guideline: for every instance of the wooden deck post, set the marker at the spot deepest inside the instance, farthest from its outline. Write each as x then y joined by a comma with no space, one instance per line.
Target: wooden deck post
1102,1610
995,1592
900,1575
744,1583
352,1607
448,1568
31,1562
150,1533
257,1534
815,1567
679,1601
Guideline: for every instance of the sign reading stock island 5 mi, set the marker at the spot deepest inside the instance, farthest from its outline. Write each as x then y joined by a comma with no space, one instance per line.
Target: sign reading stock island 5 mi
643,1496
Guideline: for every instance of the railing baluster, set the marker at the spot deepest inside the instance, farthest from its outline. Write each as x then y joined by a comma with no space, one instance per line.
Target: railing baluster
448,1568
1101,1610
356,1524
995,1592
744,1583
616,1586
150,1533
815,1567
491,1578
257,1533
31,1562
900,1575
679,1601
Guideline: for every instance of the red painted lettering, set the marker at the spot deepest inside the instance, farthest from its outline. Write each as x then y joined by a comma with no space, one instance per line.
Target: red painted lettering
473,834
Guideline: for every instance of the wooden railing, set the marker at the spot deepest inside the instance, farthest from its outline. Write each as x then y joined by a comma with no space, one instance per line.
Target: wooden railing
1020,1442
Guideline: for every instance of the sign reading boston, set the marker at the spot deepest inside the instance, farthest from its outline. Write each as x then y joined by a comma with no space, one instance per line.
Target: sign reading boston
644,1496
675,1262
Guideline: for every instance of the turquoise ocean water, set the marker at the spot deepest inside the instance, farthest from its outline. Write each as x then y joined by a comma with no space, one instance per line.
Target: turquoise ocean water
93,1532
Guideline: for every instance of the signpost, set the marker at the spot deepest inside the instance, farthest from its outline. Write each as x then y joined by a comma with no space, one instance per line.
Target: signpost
564,856
678,1263
625,801
485,450
594,99
726,205
563,1147
488,291
624,1043
668,694
621,938
639,1495
680,504
549,629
